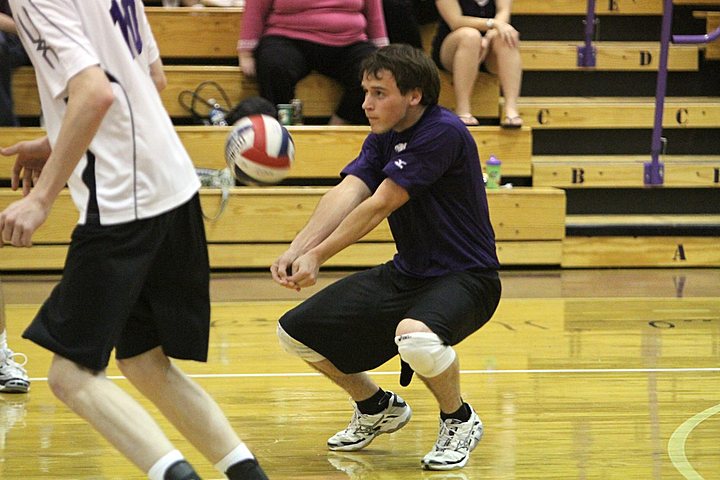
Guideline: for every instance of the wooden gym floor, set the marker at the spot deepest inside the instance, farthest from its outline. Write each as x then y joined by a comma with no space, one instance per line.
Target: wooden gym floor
586,374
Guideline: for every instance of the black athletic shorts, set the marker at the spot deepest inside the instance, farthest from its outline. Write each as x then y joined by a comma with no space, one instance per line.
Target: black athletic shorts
131,287
352,322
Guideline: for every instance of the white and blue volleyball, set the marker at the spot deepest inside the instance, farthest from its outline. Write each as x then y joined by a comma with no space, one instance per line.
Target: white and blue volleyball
259,150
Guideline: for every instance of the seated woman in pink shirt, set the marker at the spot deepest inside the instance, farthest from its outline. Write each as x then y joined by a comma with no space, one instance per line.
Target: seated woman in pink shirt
282,41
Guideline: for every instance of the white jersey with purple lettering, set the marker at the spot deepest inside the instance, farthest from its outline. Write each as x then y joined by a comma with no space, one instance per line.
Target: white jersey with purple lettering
136,166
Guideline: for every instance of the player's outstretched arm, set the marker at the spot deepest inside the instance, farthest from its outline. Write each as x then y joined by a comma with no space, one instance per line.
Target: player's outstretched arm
90,97
332,208
365,217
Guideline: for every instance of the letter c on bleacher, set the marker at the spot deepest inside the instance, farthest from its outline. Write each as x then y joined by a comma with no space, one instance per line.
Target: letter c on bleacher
543,116
682,116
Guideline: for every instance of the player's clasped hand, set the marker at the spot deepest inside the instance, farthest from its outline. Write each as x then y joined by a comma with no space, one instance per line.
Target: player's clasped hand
280,270
295,272
304,271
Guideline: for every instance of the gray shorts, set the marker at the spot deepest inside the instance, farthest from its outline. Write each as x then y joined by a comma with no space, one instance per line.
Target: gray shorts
131,287
352,322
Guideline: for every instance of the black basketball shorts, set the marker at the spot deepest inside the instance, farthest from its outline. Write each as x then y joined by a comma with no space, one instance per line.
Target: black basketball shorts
352,322
131,287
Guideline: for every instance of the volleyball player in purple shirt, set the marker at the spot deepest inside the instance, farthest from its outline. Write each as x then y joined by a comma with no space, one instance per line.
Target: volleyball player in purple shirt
418,168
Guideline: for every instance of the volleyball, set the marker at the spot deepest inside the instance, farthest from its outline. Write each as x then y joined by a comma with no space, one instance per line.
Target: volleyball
259,150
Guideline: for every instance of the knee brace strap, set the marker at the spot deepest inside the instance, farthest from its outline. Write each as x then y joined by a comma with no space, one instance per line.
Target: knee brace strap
290,345
425,353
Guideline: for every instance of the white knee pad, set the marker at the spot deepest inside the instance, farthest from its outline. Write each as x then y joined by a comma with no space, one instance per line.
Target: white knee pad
290,345
425,353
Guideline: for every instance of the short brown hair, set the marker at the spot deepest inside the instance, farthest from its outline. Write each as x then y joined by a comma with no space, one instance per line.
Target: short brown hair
410,66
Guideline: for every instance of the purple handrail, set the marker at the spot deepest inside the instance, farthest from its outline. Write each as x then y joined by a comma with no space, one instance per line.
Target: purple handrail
654,171
707,38
586,53
654,168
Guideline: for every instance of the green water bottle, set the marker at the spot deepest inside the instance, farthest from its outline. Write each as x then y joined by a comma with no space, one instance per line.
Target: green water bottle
492,166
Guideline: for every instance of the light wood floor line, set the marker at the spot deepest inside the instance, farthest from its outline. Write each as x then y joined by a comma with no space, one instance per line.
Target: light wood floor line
463,372
676,444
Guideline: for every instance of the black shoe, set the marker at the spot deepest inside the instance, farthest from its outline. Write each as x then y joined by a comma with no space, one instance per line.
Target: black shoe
181,470
246,470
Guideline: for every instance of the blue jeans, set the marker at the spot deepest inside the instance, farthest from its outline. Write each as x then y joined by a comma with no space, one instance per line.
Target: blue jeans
12,55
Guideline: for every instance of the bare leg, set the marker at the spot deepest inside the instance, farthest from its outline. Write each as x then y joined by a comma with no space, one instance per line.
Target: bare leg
110,410
358,385
461,54
446,386
183,402
506,62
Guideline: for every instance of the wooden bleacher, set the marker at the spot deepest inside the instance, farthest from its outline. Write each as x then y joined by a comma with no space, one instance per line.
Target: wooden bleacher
579,7
218,28
614,7
530,223
610,56
588,171
697,2
549,55
642,241
320,94
321,151
712,21
259,223
618,112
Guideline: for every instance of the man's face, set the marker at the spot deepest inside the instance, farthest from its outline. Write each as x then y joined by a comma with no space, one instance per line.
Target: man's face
385,107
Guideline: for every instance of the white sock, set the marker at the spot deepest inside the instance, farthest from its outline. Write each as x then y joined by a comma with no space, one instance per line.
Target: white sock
237,455
157,471
3,345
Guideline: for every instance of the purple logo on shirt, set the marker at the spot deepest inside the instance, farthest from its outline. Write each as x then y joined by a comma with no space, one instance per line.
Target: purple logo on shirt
126,17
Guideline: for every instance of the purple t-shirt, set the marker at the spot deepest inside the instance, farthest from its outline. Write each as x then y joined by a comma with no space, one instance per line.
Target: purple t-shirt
445,226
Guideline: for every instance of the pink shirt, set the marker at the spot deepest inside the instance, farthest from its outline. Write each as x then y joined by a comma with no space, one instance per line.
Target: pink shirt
328,22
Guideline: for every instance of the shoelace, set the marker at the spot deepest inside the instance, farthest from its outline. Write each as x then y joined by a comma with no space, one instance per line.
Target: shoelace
11,366
448,437
358,426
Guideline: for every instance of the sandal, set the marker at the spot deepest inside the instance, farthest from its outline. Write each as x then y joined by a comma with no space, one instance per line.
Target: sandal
512,122
469,120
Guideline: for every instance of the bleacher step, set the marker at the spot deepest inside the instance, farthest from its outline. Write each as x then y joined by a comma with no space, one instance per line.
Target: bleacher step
320,151
587,171
618,112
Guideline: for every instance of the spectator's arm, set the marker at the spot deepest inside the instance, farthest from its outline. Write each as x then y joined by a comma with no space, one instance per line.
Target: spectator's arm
376,29
451,12
253,24
503,9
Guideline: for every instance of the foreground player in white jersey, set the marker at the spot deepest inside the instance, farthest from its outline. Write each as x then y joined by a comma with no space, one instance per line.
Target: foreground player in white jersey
110,139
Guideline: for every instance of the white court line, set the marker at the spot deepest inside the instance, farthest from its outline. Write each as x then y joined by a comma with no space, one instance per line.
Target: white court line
676,444
465,372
